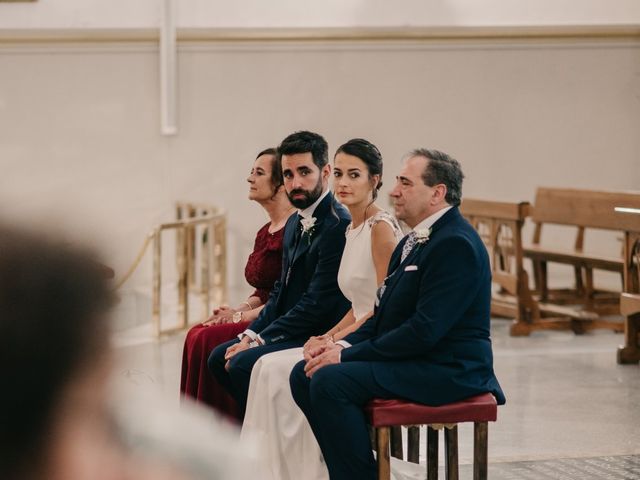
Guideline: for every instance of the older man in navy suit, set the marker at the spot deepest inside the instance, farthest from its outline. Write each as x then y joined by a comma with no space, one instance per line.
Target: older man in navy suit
306,301
428,340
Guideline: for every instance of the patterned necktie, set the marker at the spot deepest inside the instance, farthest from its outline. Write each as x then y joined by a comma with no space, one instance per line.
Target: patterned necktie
408,246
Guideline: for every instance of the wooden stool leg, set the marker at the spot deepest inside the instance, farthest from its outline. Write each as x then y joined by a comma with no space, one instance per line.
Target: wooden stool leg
451,452
382,450
413,444
432,453
396,442
480,448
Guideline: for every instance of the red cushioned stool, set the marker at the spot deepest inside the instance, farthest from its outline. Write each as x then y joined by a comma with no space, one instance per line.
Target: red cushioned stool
383,414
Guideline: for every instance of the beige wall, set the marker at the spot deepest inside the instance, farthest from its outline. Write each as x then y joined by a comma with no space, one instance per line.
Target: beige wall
97,14
80,147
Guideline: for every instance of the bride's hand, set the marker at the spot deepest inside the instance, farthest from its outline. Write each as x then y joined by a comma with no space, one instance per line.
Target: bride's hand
315,342
315,345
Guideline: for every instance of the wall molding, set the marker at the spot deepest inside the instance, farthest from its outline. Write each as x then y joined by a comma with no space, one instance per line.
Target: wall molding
311,35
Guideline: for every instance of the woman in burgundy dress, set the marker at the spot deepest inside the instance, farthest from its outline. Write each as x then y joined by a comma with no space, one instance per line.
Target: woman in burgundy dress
262,270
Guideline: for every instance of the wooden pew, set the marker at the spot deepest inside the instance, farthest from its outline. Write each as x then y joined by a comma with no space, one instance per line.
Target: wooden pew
500,227
582,209
630,299
499,224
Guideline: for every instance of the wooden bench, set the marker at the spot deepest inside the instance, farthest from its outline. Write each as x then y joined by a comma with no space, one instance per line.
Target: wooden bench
630,299
582,209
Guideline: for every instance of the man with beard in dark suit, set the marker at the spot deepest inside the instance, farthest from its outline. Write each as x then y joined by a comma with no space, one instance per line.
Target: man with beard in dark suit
306,301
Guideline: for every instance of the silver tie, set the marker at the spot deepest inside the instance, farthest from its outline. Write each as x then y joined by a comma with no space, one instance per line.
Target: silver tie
408,246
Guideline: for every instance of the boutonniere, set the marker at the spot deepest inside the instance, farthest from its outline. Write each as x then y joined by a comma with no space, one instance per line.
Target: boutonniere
422,235
308,224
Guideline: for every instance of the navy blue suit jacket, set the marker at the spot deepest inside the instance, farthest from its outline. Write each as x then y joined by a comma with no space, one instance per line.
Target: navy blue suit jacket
306,300
429,337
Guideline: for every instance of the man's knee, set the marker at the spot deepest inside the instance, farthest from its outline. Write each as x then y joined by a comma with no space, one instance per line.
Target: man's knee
329,383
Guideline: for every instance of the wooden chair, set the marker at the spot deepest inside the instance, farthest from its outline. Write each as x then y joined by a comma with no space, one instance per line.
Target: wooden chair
481,409
499,224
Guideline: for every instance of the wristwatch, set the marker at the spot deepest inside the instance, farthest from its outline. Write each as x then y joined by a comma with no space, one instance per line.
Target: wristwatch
237,317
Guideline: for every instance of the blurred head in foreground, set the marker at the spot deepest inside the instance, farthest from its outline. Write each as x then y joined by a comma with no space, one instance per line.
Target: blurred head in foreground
54,361
59,419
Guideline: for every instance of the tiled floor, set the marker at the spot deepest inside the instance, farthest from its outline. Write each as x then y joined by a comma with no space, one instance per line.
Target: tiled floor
566,399
621,467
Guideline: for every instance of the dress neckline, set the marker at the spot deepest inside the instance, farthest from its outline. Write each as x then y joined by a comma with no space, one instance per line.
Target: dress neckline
275,232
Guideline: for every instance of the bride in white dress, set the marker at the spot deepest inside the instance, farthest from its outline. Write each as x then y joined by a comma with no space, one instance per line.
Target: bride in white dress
272,420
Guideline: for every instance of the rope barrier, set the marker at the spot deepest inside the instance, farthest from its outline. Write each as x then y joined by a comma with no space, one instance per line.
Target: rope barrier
137,260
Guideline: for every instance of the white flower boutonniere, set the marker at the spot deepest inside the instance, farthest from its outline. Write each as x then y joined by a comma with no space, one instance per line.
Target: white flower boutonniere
422,235
308,224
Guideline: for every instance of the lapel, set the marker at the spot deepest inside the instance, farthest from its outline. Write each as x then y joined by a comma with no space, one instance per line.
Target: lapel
320,213
394,263
392,280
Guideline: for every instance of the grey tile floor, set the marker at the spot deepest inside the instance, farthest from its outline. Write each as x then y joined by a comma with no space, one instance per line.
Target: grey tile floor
566,396
619,467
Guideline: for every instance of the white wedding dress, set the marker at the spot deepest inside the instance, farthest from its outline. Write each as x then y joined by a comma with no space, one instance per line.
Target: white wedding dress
273,420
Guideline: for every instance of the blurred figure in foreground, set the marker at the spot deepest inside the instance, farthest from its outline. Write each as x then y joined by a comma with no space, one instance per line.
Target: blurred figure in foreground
56,419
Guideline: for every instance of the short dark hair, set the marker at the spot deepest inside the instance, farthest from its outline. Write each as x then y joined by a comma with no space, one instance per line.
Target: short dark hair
53,305
442,168
304,142
368,153
276,171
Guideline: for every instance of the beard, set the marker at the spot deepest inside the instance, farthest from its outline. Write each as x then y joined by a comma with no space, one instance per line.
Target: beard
309,196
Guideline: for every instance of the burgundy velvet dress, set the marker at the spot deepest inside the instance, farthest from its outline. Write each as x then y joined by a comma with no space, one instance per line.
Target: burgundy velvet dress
262,270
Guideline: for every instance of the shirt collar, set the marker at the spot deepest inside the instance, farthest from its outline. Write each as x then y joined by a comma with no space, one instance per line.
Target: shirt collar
308,212
431,219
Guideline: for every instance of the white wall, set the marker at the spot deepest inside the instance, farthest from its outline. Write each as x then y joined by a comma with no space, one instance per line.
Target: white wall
80,147
123,14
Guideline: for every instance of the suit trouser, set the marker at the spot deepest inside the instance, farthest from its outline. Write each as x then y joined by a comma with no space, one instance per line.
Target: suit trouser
333,400
236,380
